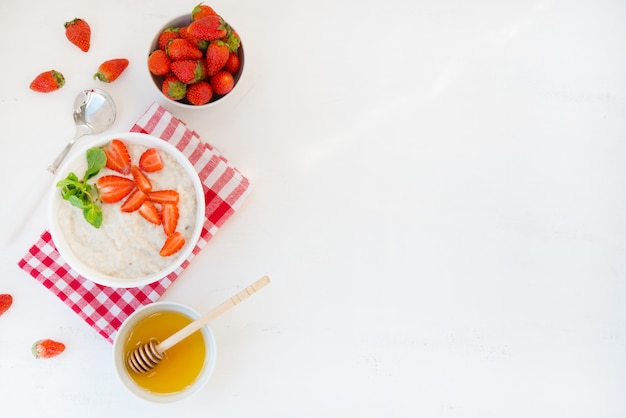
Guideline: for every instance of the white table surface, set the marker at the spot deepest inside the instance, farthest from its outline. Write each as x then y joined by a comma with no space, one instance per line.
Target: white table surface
439,201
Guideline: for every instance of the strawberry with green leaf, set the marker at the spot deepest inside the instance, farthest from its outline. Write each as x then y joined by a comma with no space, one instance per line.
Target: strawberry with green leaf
209,28
47,348
202,10
78,32
173,88
111,69
189,71
47,81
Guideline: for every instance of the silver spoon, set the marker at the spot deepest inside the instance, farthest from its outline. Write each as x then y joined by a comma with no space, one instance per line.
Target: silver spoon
94,112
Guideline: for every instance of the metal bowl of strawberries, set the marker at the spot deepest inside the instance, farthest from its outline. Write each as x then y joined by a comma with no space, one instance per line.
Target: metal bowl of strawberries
196,60
126,210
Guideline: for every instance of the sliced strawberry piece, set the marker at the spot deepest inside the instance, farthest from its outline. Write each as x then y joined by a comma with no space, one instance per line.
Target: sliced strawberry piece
134,201
172,244
140,179
47,348
118,158
6,301
150,161
169,215
163,196
114,188
150,212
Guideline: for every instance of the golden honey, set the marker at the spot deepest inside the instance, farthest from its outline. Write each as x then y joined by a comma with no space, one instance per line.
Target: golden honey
182,363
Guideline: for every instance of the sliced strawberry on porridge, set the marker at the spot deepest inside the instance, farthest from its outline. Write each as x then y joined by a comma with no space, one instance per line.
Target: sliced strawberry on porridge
114,188
118,157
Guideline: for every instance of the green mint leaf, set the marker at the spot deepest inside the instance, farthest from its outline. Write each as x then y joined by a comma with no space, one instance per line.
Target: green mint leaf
96,159
77,201
93,215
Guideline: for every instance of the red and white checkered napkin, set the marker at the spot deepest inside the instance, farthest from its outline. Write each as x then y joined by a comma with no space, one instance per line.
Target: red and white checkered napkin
105,308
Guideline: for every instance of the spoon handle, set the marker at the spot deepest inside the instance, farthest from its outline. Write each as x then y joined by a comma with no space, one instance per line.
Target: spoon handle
53,167
212,314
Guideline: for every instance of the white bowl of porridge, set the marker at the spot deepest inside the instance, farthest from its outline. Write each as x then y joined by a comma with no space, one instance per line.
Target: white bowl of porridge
126,210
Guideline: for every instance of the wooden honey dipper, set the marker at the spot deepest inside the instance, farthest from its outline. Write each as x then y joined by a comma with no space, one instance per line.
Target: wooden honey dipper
147,356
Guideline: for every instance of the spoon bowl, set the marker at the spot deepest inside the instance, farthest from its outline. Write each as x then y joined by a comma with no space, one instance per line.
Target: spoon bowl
94,112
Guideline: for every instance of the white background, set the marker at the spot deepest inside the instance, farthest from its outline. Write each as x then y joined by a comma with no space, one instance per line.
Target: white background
439,201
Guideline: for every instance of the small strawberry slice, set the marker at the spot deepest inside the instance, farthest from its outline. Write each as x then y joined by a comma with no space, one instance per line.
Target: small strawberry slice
47,348
134,201
150,160
114,188
164,196
150,212
140,179
6,301
169,216
172,244
118,158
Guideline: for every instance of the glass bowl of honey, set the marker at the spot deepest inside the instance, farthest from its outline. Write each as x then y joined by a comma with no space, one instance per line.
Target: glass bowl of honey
186,367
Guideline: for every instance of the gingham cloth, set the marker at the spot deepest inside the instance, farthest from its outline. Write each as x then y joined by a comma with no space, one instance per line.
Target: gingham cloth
105,308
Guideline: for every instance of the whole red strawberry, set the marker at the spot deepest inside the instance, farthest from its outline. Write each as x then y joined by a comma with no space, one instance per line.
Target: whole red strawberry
222,83
47,348
216,57
166,36
189,71
48,81
173,88
201,44
6,301
159,63
233,63
183,49
200,11
208,28
110,70
199,93
78,32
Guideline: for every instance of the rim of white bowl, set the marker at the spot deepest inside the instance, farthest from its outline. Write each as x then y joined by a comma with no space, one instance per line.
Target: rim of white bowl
55,199
118,354
182,21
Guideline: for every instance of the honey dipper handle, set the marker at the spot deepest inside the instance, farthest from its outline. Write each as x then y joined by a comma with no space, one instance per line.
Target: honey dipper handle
212,314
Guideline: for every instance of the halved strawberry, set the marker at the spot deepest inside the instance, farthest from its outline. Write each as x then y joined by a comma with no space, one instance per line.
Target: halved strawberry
163,196
172,244
150,161
140,179
150,212
47,348
134,201
118,158
114,188
169,216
